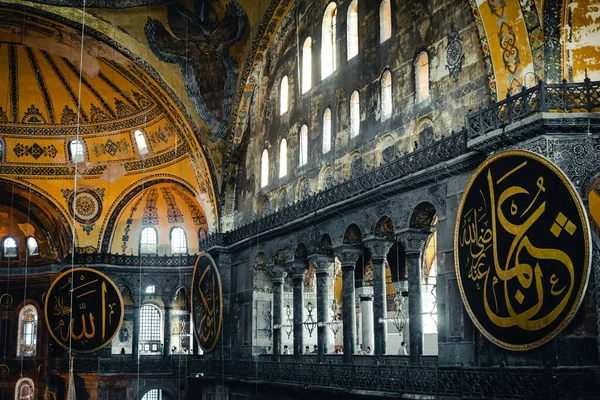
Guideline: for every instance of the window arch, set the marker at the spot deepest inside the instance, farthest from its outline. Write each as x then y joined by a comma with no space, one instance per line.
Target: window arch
153,394
25,389
264,168
9,247
148,241
306,65
27,335
385,21
32,247
352,29
283,158
386,94
140,142
354,114
76,151
303,146
283,96
178,241
150,328
421,77
327,131
150,289
328,39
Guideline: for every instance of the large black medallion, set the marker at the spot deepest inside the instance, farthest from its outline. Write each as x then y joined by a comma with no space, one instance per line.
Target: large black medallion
207,302
522,249
83,310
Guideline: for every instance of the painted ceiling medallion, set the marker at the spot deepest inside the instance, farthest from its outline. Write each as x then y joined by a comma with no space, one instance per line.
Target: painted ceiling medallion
454,53
85,206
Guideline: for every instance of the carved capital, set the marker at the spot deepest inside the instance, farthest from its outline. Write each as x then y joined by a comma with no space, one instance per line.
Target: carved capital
379,247
298,269
277,273
321,262
348,255
413,241
365,293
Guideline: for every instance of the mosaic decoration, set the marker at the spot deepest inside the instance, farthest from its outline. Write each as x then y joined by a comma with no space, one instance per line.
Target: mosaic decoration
89,86
198,216
160,135
110,147
3,116
83,310
125,237
174,215
485,48
522,249
141,100
68,116
35,150
41,83
210,74
13,80
454,53
536,36
207,303
123,110
150,215
88,206
33,116
97,114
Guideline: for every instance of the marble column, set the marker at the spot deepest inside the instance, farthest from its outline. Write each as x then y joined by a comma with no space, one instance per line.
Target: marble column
298,270
348,255
379,248
365,295
413,242
323,266
167,332
278,274
135,340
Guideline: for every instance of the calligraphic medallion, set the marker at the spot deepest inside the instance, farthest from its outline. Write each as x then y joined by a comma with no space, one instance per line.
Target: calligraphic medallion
83,310
207,302
522,249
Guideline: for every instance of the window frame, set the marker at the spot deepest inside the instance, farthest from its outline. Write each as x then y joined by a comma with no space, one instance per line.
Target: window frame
22,343
418,69
352,31
284,100
19,386
10,257
385,21
144,229
37,247
283,158
307,65
303,146
327,133
139,133
264,169
75,156
328,41
155,333
171,233
386,96
355,114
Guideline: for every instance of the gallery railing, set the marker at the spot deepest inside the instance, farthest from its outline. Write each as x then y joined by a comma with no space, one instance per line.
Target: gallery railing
123,364
464,382
134,261
562,97
441,150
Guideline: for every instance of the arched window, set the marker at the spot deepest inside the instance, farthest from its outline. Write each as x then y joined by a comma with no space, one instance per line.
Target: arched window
150,289
328,46
153,394
150,328
352,29
32,247
27,339
283,96
148,241
422,77
264,169
283,158
9,247
76,151
386,95
178,241
25,390
303,146
354,114
140,142
326,131
306,65
385,21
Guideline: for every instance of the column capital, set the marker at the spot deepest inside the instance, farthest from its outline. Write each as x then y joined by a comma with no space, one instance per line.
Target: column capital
298,268
277,273
348,254
413,241
378,246
365,293
321,262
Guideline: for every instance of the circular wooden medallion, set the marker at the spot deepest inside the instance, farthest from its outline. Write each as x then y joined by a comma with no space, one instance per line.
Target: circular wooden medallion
207,302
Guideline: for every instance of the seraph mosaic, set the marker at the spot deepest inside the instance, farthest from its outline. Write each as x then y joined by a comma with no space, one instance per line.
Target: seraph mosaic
200,45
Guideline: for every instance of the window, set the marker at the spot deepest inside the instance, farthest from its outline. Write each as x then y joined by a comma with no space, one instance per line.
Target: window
386,95
150,289
27,339
150,327
9,247
385,21
154,394
148,241
264,169
354,114
140,142
303,146
352,29
24,389
178,241
283,96
32,247
422,77
76,151
283,158
328,46
326,131
306,65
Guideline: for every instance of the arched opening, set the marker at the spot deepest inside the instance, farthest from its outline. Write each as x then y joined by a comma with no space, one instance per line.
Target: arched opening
148,241
385,20
283,158
283,96
421,68
33,248
386,94
307,65
76,152
24,389
9,247
27,333
303,146
140,142
178,241
181,325
328,46
327,131
264,168
354,114
352,29
150,329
